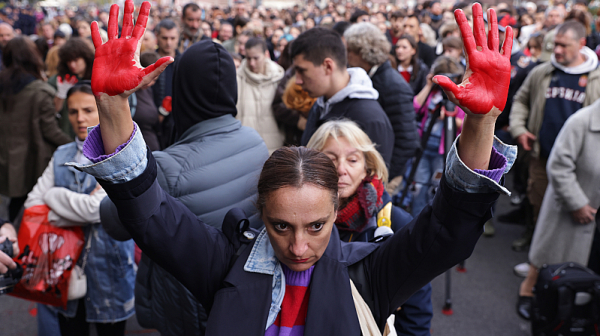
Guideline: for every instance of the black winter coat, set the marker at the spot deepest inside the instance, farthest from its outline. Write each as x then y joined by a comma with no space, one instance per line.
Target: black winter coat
367,113
204,259
396,99
418,81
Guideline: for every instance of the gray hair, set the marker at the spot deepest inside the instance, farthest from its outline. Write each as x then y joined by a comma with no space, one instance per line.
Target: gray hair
366,40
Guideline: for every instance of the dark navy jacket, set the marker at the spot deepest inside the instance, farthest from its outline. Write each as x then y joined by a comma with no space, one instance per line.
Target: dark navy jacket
204,259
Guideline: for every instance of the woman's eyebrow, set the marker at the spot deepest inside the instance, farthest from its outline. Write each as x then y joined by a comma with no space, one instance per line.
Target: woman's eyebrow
281,221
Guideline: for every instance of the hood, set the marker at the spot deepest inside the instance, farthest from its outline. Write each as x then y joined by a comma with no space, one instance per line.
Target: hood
274,73
359,87
204,85
591,63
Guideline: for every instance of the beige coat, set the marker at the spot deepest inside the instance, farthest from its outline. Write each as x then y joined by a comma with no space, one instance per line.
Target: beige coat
29,134
574,181
527,111
255,97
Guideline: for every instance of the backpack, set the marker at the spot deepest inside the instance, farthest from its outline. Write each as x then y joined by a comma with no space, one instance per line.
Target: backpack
566,301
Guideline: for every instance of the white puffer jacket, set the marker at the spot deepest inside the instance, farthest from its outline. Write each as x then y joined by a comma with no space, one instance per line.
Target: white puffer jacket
255,97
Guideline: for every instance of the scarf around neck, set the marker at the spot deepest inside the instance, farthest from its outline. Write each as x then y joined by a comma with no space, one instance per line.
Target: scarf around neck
362,206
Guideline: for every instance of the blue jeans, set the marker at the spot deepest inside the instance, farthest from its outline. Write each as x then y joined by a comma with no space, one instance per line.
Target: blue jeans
430,163
47,321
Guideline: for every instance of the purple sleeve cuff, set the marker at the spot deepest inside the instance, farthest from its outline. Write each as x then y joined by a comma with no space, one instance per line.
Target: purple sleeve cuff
496,168
93,147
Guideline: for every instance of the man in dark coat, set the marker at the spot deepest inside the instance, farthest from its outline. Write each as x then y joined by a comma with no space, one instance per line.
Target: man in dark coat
368,48
320,63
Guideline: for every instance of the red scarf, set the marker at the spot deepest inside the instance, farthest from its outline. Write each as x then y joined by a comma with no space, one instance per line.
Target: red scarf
363,205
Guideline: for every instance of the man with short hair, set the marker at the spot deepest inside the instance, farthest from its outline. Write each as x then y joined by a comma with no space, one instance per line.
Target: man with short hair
551,93
257,80
191,18
397,27
436,15
367,48
226,31
167,37
48,33
7,33
319,59
412,27
554,16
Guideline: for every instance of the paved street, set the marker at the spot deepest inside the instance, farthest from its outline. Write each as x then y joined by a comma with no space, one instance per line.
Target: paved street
483,298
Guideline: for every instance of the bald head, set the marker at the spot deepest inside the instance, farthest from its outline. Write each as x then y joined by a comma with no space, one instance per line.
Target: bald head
6,34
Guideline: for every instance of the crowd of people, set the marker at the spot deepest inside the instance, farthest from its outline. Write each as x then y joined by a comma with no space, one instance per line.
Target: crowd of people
231,97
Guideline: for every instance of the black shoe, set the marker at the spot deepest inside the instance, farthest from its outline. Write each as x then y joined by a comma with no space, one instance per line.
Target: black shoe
524,306
517,216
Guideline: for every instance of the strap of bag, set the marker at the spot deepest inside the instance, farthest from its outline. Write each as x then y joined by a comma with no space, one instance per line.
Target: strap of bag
368,326
384,217
88,247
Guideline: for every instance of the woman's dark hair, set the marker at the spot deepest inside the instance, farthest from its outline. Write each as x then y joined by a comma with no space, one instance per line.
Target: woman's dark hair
285,60
73,49
447,66
41,45
84,86
239,21
414,61
21,60
295,167
148,58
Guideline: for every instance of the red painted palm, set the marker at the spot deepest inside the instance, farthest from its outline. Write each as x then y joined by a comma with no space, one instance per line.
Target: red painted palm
116,64
486,80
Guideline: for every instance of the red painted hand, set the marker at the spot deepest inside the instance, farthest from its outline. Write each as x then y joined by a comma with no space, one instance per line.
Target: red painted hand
117,68
485,84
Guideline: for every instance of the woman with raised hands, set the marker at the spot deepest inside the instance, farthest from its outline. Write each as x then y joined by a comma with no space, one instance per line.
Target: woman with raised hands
294,277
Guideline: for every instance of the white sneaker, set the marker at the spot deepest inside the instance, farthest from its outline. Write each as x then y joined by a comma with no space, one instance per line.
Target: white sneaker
521,270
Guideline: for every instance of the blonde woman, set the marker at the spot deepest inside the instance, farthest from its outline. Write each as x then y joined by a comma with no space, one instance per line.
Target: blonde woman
362,175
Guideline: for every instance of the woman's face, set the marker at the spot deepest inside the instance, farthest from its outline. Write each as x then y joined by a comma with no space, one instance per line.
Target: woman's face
404,51
299,223
84,29
310,23
83,113
295,32
206,30
350,164
77,66
526,20
277,34
535,50
282,44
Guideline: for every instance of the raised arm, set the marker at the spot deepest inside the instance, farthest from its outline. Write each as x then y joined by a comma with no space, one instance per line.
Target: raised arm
117,73
483,91
446,232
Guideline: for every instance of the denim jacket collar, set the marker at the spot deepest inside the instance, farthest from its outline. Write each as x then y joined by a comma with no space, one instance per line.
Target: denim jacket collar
262,257
262,260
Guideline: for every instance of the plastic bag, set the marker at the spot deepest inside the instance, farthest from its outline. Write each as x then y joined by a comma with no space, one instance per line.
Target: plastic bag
48,255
